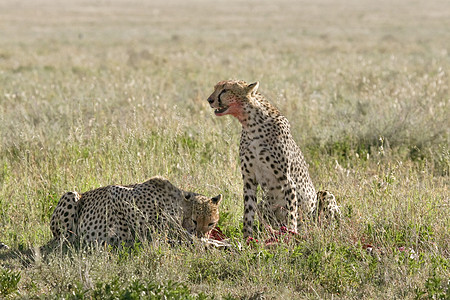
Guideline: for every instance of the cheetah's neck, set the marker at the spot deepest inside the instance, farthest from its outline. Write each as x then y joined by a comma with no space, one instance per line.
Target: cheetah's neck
256,112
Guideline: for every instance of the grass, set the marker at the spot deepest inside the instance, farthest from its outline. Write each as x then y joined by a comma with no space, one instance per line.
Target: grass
95,93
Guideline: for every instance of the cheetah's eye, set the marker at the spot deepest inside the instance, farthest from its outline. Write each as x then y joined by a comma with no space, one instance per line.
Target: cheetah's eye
195,222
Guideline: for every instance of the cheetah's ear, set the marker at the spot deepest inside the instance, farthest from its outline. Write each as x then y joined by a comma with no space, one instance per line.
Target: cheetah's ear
253,88
188,195
217,199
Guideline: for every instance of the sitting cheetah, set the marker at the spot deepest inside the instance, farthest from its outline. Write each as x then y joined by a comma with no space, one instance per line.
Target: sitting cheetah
269,155
116,214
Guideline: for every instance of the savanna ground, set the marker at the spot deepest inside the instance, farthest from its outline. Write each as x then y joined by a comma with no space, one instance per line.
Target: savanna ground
100,92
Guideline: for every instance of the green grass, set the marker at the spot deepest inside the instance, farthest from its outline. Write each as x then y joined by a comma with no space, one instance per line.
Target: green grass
98,93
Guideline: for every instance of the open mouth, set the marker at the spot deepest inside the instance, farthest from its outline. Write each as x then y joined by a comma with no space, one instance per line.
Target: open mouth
220,110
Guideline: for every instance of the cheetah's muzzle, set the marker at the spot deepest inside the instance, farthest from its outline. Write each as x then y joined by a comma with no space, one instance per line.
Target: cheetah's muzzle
220,110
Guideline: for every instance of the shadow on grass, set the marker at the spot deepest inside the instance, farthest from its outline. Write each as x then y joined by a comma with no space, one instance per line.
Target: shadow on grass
27,256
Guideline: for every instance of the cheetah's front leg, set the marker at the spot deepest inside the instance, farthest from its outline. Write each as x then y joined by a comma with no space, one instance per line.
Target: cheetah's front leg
290,194
250,201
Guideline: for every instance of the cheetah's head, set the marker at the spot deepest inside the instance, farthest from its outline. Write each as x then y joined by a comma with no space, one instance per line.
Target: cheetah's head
202,215
229,96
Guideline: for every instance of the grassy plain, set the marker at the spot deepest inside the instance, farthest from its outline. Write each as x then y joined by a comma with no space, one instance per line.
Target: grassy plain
100,92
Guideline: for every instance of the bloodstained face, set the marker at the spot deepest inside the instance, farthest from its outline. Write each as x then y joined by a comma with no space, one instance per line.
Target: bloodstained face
203,214
230,96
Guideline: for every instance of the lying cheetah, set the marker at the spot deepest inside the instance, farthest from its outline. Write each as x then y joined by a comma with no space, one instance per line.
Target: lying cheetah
269,155
116,214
